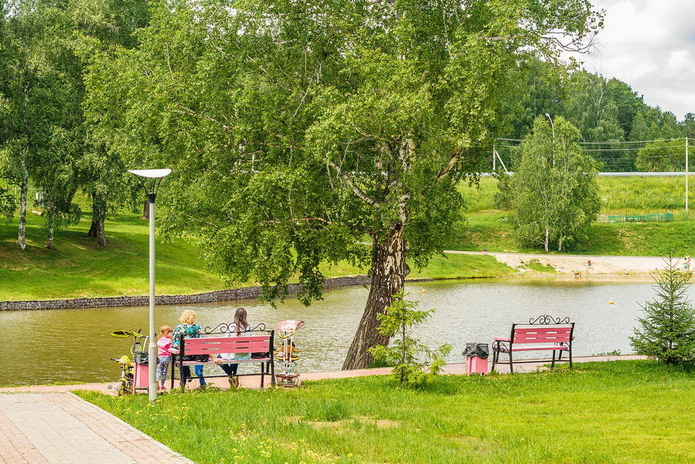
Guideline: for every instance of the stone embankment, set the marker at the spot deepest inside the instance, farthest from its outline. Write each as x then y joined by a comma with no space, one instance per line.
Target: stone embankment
207,297
583,266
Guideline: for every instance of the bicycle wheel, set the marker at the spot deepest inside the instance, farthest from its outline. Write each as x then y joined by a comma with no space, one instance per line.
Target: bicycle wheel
122,387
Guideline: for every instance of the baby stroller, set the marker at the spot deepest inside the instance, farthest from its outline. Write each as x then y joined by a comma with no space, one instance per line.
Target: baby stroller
288,354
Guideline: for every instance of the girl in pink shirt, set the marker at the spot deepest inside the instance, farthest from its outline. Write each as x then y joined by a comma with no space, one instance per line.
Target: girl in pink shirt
163,354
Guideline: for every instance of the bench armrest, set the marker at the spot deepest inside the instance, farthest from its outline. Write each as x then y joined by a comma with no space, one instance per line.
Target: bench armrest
502,339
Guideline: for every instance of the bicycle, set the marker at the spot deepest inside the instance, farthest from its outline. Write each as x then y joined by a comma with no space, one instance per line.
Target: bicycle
125,385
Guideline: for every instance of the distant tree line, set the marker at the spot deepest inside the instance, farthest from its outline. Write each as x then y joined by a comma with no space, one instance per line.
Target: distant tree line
604,110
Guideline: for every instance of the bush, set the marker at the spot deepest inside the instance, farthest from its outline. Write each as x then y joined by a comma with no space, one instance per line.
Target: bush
413,362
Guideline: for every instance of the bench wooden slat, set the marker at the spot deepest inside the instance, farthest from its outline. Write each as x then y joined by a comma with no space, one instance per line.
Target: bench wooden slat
538,347
218,345
541,334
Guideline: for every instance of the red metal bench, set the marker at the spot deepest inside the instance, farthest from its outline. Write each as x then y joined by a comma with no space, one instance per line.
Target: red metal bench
544,333
259,343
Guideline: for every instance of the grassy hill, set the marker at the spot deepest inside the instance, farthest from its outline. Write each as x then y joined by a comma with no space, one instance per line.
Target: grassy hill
78,267
488,228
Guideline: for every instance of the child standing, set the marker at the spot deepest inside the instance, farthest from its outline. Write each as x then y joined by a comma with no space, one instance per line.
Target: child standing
163,354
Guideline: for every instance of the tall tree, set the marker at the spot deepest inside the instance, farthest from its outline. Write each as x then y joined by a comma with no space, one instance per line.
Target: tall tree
101,28
554,190
41,85
297,128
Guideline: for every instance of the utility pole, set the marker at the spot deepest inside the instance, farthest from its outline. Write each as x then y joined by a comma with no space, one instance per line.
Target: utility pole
687,174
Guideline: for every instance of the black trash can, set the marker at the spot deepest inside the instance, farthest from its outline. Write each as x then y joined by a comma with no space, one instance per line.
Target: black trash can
476,358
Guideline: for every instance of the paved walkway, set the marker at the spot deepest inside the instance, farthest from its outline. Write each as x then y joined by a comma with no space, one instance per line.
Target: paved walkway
60,428
49,425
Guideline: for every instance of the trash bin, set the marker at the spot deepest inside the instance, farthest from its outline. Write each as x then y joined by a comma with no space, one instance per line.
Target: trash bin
476,358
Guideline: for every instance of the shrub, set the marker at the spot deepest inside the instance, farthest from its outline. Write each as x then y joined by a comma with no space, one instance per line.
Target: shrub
414,363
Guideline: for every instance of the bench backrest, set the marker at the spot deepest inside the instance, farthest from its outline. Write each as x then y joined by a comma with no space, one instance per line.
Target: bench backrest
542,333
213,345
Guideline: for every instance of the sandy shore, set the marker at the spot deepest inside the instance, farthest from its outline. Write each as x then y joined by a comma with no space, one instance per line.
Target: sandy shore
583,265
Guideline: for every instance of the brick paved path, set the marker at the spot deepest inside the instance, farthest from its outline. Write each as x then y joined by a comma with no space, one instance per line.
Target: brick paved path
60,428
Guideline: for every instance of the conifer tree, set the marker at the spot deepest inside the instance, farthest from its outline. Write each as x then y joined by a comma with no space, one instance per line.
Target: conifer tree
668,331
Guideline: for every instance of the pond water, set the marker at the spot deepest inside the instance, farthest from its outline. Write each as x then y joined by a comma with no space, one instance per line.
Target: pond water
74,346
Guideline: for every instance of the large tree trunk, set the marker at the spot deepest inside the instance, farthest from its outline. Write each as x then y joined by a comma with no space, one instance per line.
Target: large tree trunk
389,270
22,233
96,230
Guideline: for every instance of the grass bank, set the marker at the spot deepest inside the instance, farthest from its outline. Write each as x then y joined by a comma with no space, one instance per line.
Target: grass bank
80,268
488,228
614,412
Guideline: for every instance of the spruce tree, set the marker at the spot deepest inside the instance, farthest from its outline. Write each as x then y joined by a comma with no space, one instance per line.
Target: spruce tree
668,331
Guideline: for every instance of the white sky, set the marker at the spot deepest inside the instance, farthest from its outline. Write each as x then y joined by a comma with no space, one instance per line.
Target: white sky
649,45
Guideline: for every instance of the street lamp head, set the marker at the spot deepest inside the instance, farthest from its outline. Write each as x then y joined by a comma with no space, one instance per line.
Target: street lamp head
150,173
150,179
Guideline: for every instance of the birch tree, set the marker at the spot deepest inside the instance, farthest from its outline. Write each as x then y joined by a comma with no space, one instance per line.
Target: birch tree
554,191
298,129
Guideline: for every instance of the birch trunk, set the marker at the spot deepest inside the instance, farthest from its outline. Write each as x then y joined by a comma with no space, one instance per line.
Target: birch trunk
23,193
388,278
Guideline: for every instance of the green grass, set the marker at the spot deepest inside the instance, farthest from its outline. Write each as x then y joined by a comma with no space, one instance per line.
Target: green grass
80,268
613,412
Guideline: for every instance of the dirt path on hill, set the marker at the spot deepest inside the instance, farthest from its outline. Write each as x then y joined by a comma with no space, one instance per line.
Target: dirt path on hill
582,265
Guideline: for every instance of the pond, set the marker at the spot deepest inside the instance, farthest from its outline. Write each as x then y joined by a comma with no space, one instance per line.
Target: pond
74,346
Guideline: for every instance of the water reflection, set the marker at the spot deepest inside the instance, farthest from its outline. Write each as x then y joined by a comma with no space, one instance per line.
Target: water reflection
74,346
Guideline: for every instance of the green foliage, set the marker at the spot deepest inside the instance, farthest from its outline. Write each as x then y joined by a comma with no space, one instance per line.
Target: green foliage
637,412
7,203
413,363
360,123
662,155
294,129
667,332
41,87
555,193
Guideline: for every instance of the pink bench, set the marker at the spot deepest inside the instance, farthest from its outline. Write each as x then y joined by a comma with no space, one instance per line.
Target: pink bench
544,333
257,343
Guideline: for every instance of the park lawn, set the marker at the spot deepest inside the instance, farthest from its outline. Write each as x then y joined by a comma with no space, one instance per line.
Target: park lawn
78,267
611,412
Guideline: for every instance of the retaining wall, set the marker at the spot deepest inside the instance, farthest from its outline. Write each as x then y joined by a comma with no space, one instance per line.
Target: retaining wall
207,297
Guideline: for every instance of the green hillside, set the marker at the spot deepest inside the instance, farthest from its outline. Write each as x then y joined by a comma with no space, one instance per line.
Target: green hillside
488,228
78,267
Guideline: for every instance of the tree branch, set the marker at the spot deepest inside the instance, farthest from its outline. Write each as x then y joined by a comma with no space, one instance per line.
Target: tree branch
355,189
195,114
